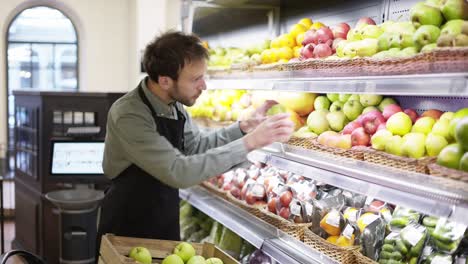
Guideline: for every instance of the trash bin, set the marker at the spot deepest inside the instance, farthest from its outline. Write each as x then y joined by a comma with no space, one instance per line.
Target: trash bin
78,223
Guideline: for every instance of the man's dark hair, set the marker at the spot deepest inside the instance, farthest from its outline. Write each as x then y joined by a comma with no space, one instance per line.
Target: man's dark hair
167,54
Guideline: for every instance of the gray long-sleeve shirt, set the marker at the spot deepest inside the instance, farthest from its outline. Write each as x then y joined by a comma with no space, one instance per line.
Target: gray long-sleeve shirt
132,138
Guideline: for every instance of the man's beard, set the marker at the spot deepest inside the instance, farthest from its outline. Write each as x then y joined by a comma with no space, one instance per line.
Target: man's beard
177,96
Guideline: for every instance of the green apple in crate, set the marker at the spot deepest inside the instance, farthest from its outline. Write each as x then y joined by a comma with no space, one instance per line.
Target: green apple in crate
184,250
172,259
196,260
140,255
214,261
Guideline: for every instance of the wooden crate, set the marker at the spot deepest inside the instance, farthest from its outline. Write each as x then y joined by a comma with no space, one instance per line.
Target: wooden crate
114,249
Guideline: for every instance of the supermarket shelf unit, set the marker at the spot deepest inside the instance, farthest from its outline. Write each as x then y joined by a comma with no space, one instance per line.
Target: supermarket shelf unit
444,84
271,240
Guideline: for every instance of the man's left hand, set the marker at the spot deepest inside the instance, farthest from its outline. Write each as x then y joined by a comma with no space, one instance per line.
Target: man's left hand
258,116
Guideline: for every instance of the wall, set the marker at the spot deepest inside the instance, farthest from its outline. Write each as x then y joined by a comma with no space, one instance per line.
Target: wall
111,35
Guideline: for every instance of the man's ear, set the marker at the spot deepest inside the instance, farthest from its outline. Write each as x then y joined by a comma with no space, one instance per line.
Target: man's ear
165,82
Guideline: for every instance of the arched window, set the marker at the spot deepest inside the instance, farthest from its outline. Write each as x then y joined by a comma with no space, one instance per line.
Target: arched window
42,50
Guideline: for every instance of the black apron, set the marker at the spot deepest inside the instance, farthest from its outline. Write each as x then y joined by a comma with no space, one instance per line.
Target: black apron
139,205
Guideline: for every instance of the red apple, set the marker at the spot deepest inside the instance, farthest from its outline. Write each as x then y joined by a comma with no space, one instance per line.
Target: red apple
359,137
341,30
284,212
382,126
250,199
434,113
350,127
412,114
371,121
244,192
260,203
391,109
285,198
235,192
227,186
322,51
272,205
308,37
365,20
307,51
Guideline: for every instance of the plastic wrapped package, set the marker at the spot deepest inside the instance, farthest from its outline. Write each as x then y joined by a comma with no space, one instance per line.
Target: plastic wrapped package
402,217
320,209
372,235
405,246
231,243
447,235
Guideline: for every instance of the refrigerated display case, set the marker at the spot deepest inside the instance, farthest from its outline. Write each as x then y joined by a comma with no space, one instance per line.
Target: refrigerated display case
421,84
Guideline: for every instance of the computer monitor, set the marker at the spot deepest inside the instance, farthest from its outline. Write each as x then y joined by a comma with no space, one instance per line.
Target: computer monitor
76,158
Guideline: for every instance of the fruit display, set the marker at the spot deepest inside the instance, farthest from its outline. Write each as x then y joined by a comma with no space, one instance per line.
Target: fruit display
140,255
222,105
226,57
384,232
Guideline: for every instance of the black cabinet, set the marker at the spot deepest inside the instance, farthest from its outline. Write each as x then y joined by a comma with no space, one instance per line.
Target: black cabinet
39,117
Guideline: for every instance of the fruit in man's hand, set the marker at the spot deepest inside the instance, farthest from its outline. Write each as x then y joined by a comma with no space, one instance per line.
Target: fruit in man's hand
450,156
399,124
214,261
196,260
172,259
422,14
141,255
185,251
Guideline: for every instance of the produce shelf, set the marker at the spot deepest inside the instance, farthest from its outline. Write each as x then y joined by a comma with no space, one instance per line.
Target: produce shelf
271,240
445,84
427,194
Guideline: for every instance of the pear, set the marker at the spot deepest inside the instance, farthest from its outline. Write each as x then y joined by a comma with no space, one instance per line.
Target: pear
384,41
371,31
401,41
435,3
429,47
409,51
453,27
461,40
446,40
362,48
354,35
422,14
386,25
401,27
426,34
455,9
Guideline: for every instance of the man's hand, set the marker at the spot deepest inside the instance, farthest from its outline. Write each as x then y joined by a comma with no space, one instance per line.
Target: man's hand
258,116
277,128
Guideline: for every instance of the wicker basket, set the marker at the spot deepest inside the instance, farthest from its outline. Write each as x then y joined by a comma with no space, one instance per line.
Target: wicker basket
352,153
253,210
213,189
321,67
449,60
420,63
290,228
361,259
340,254
306,143
440,171
268,67
397,162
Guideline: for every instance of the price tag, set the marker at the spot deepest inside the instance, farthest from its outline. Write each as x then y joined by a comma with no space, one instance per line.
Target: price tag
241,176
369,200
308,209
228,176
348,232
368,219
413,235
393,235
441,260
333,219
258,190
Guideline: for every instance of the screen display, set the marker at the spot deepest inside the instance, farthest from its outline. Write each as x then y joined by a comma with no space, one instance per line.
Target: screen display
77,157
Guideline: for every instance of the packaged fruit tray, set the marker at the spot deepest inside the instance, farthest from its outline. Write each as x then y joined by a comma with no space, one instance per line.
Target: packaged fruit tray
440,171
340,254
397,162
252,209
115,249
295,230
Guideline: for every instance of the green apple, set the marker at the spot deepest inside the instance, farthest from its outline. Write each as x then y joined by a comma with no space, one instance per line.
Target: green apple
337,120
450,156
441,128
426,34
214,261
172,259
384,41
141,255
380,139
196,260
369,109
333,97
399,124
414,145
370,99
455,9
317,122
405,27
461,133
435,144
386,101
343,97
352,109
422,14
435,3
340,47
185,251
336,106
453,27
464,162
423,125
456,118
447,115
386,25
354,34
394,145
371,31
354,97
321,102
429,47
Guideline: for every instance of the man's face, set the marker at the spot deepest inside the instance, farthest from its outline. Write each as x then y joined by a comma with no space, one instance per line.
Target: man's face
190,84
